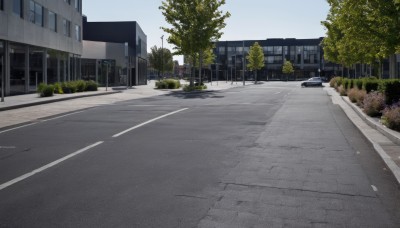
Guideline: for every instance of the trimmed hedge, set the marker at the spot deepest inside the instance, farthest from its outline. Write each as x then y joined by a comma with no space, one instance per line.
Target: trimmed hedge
391,89
45,90
66,87
168,84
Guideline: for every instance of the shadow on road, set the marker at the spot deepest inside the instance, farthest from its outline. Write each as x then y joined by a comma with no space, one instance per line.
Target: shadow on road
196,95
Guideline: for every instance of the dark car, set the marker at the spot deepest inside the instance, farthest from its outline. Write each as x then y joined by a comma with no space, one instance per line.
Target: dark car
314,81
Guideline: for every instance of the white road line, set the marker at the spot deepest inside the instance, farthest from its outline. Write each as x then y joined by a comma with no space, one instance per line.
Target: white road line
15,128
277,93
147,122
374,188
27,175
40,121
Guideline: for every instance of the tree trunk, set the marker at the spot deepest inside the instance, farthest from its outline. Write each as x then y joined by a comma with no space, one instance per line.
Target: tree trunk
200,66
255,77
193,71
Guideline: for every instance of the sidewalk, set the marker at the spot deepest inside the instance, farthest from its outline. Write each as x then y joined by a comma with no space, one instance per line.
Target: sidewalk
386,142
21,101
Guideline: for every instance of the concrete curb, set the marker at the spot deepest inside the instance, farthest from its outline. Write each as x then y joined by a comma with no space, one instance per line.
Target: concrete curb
393,167
23,105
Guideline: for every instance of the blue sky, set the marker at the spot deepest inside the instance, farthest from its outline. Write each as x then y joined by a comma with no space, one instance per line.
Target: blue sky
250,19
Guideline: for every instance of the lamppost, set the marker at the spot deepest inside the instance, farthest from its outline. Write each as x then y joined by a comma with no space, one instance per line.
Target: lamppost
162,56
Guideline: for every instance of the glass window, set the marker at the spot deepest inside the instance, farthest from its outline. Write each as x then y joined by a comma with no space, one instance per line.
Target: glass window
77,5
35,13
17,8
68,1
66,27
38,14
269,50
52,19
1,5
221,50
270,59
77,33
278,50
32,11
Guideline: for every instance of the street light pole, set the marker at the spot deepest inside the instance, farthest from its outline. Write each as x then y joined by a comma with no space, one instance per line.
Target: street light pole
162,56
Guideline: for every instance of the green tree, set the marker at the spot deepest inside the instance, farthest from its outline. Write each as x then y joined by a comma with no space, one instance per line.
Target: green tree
362,31
195,24
161,60
287,68
255,59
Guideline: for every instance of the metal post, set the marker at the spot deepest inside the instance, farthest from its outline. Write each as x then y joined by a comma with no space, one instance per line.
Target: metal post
3,79
36,78
107,78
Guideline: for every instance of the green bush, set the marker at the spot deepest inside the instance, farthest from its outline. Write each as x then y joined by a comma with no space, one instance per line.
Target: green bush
80,85
168,84
370,85
188,88
374,103
335,82
91,85
391,89
45,90
58,88
69,87
391,117
346,83
358,83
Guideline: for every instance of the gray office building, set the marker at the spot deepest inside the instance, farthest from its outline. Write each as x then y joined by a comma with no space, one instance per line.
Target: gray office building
40,41
114,53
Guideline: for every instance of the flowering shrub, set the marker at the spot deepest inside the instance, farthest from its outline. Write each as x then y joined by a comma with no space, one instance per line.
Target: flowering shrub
391,117
342,91
374,103
352,94
360,95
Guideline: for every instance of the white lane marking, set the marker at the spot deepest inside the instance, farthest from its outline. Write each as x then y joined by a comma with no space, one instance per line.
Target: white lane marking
277,93
147,122
358,152
15,128
27,175
40,121
7,147
374,188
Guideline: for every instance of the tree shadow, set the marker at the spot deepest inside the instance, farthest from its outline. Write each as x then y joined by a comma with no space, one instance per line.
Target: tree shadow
196,94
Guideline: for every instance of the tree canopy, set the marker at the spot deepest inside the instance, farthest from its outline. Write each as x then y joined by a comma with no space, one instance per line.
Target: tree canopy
287,67
255,59
161,59
361,31
194,25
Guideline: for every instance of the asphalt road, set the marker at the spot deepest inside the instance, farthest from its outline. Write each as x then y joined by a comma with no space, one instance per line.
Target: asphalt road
269,155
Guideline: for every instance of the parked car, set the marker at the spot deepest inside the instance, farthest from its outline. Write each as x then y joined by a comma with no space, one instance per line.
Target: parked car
314,81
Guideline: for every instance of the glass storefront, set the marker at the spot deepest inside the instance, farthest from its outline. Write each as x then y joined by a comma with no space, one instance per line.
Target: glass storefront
35,68
52,66
17,69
